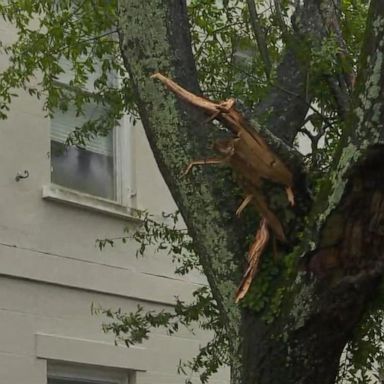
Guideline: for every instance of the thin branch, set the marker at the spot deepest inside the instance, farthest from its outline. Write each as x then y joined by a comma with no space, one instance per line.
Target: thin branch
343,85
212,34
310,106
94,38
280,18
341,94
259,36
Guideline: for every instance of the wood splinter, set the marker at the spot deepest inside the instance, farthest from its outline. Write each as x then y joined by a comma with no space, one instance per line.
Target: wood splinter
254,255
252,161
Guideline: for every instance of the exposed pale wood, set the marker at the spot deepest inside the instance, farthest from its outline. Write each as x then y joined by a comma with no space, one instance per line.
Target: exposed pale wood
209,161
252,161
254,255
250,143
243,204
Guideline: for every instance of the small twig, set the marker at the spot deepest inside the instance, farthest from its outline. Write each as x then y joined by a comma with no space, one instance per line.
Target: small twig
310,106
307,132
199,50
99,36
280,17
331,21
340,93
259,36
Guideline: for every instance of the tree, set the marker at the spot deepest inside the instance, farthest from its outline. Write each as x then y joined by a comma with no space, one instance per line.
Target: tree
318,66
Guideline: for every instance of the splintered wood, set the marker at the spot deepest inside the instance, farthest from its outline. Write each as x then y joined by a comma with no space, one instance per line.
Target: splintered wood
252,160
254,254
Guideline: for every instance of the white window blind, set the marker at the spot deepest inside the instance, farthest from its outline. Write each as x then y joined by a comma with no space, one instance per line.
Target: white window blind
63,123
82,374
89,169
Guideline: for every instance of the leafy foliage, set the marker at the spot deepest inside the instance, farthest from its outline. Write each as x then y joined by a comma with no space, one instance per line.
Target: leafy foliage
51,34
131,328
363,359
228,61
84,34
162,235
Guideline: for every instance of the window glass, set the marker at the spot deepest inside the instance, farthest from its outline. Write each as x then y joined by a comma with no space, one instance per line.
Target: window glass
89,169
83,374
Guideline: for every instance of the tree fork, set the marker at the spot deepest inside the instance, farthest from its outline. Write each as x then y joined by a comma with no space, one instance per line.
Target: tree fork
328,300
329,296
154,37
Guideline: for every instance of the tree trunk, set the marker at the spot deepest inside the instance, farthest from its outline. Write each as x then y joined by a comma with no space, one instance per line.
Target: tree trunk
328,298
154,36
324,294
335,280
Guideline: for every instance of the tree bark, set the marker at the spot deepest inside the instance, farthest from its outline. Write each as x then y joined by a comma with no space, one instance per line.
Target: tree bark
326,292
154,36
325,301
343,263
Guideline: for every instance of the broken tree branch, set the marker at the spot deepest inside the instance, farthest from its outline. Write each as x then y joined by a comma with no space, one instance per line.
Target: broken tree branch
254,147
251,160
254,255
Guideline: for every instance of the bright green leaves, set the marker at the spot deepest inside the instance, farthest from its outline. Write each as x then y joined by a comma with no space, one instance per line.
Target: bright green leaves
163,235
354,15
167,237
73,37
227,59
332,70
135,327
363,358
324,58
213,28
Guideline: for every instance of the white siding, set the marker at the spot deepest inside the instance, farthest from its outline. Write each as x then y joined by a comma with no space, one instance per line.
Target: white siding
51,271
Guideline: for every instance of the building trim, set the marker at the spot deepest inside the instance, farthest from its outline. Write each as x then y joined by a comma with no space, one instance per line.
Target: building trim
59,194
90,352
82,274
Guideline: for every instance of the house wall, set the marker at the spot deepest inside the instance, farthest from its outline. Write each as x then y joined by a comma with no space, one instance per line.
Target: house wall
51,272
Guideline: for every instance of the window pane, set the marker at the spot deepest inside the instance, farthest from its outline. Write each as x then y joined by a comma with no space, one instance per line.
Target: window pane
82,170
89,169
63,123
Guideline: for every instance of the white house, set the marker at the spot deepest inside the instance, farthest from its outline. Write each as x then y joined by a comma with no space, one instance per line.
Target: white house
54,205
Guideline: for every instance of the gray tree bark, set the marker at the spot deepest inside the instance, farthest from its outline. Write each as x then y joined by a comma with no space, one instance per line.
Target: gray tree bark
326,295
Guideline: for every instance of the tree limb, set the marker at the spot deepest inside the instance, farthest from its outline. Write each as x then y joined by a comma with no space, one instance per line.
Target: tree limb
259,36
341,85
154,36
344,263
282,113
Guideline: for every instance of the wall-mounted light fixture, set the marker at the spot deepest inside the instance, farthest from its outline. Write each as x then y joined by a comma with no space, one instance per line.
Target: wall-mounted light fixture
21,175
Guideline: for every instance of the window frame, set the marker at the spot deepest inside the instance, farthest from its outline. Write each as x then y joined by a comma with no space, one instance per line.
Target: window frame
124,166
123,159
86,373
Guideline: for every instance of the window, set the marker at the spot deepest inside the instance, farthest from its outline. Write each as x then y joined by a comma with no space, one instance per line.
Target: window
84,374
89,169
101,168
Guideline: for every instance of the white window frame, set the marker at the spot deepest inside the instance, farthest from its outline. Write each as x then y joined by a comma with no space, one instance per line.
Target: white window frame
124,175
86,373
124,160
